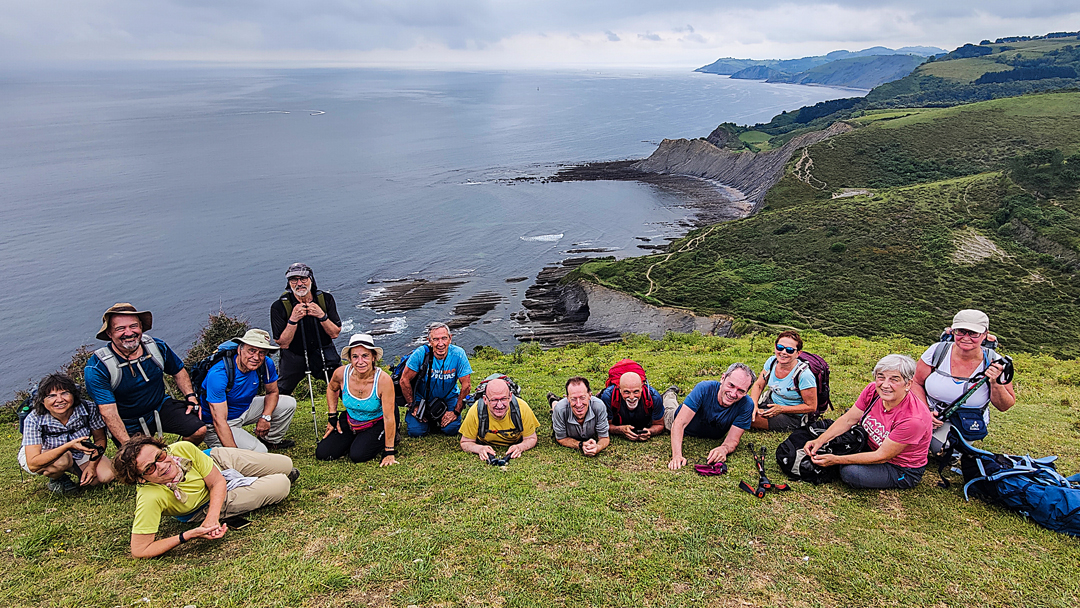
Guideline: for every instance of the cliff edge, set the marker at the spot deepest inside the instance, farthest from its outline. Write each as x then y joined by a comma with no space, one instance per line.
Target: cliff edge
751,174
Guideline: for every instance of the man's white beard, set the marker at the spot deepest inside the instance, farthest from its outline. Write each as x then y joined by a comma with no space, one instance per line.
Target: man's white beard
632,405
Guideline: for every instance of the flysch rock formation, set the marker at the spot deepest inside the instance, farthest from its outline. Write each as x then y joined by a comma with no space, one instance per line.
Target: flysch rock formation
556,313
751,174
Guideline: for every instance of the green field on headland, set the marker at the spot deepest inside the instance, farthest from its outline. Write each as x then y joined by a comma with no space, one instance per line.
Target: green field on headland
554,528
960,210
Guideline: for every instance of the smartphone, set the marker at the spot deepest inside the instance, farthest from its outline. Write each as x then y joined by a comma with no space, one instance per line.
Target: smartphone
236,522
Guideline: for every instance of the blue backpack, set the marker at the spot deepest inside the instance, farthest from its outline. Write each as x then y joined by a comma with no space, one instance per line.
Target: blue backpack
1029,486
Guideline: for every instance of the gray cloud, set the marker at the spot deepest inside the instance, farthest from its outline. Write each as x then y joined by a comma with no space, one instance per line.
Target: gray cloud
116,29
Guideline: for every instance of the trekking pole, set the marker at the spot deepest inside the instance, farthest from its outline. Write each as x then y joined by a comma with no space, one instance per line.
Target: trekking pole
307,371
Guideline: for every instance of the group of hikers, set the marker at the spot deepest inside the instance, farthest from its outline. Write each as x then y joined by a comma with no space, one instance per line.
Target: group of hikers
240,387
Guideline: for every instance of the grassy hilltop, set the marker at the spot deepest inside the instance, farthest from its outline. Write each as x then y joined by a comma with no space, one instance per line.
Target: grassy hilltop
554,528
891,228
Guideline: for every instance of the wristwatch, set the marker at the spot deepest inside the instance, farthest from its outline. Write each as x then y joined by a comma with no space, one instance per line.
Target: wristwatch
265,417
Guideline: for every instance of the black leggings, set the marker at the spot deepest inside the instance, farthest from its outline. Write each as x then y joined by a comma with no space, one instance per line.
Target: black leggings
361,446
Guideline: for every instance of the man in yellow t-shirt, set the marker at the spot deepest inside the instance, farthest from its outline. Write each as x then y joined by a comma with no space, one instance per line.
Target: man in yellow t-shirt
507,421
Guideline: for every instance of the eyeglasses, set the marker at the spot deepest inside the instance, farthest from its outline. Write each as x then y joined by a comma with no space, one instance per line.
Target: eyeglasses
966,332
162,456
786,349
501,401
299,279
55,396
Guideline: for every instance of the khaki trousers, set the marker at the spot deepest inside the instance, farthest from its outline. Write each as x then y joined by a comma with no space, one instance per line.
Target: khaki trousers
272,486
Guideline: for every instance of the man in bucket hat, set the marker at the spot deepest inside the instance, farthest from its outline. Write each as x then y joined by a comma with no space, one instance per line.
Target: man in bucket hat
304,322
231,399
126,378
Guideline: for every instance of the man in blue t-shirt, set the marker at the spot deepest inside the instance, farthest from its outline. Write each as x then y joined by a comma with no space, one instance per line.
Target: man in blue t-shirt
229,409
126,378
714,410
429,383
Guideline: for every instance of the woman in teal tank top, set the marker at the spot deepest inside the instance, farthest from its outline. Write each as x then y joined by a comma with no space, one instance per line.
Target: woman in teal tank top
367,427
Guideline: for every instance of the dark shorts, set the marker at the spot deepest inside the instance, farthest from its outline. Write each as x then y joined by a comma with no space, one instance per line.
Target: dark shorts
785,422
173,420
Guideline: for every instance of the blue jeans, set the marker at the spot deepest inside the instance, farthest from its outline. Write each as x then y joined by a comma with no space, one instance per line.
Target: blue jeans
419,429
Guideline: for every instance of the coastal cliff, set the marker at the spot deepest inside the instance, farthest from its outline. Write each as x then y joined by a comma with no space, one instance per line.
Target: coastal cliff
750,174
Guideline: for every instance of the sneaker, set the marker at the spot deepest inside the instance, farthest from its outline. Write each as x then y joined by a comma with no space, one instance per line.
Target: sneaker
62,485
284,444
293,475
552,398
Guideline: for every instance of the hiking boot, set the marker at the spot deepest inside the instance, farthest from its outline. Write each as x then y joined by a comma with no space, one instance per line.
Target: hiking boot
284,444
293,475
552,398
62,485
674,390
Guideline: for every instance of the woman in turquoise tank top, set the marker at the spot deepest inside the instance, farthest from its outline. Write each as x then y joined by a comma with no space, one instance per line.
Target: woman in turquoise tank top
367,426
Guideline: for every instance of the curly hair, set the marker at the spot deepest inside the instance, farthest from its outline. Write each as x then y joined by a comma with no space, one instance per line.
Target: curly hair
49,384
127,472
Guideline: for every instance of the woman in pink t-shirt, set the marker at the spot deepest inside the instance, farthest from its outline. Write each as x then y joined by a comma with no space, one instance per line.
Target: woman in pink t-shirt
898,425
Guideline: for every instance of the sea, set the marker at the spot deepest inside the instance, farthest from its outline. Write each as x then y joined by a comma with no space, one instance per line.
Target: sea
189,190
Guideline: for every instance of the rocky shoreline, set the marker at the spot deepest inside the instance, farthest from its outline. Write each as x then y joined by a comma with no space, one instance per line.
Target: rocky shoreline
721,184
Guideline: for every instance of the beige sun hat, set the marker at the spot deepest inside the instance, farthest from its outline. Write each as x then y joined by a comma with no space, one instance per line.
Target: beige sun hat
124,308
364,340
971,320
258,338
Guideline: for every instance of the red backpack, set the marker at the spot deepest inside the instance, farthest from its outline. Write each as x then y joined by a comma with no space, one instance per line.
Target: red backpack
616,372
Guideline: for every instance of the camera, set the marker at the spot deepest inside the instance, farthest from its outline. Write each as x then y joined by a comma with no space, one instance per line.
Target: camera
436,409
98,450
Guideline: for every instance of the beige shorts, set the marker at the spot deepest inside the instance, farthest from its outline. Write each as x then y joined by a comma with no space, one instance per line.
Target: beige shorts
80,459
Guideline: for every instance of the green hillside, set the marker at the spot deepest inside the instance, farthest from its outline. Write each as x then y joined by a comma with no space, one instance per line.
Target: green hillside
969,74
943,225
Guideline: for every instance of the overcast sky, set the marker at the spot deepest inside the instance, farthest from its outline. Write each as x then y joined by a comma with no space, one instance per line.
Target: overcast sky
500,33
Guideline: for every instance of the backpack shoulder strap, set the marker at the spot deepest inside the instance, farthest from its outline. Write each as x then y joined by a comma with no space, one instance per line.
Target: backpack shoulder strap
320,298
515,414
287,301
151,347
108,358
481,420
941,350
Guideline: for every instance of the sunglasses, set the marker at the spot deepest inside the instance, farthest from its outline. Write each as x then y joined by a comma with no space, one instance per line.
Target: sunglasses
786,349
966,332
161,457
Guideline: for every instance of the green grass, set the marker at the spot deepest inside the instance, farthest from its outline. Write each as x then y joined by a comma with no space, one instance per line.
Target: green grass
962,70
555,528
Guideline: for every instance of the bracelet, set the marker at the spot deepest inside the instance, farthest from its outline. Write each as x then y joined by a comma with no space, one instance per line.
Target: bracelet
182,539
581,446
332,417
324,317
191,395
291,322
389,452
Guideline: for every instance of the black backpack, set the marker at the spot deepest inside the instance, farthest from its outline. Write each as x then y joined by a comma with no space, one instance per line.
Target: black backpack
225,351
794,462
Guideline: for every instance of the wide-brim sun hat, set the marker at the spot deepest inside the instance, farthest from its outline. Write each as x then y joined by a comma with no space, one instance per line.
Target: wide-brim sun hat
124,308
258,338
364,340
971,320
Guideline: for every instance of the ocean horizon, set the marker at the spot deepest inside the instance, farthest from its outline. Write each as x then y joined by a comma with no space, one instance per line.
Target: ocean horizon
190,190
